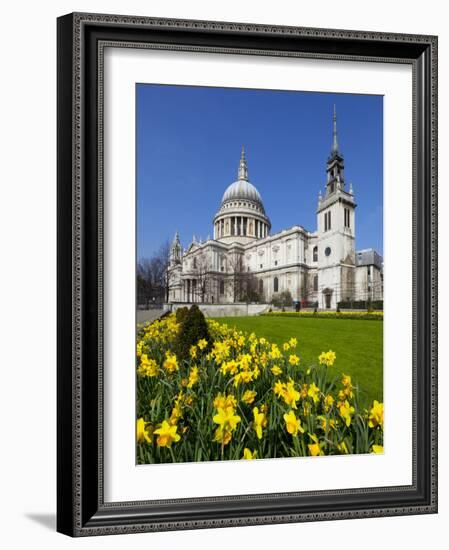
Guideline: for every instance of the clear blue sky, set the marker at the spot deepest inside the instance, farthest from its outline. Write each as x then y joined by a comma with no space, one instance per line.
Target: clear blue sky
188,149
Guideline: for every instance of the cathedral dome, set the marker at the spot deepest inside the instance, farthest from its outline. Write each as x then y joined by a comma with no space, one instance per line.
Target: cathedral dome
242,190
241,216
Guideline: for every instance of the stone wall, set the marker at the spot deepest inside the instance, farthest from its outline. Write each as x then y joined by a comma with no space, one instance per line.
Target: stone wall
224,310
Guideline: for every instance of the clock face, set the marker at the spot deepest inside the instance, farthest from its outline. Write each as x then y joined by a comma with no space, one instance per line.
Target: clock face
327,251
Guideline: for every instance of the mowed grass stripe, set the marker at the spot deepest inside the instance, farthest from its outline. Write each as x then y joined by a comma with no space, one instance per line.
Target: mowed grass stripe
357,343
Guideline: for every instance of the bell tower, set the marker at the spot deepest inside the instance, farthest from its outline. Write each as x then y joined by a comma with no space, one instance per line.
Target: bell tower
336,232
175,250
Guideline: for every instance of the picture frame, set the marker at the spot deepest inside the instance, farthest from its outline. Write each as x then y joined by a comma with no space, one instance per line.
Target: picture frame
81,507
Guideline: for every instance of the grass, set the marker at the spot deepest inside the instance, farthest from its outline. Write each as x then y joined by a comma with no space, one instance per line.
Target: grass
357,343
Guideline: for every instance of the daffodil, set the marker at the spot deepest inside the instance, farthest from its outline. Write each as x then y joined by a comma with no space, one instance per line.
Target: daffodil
315,447
167,434
327,358
293,342
328,402
276,370
290,394
223,401
286,346
248,455
313,392
193,352
249,396
293,359
376,415
293,424
193,377
143,428
260,421
377,449
222,436
226,419
342,447
171,362
147,367
202,343
346,412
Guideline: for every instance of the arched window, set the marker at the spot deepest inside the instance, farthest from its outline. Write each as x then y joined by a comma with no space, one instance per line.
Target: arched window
315,253
221,287
194,263
275,284
315,283
260,286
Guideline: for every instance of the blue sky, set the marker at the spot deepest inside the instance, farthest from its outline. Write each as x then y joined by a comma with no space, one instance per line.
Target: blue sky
188,149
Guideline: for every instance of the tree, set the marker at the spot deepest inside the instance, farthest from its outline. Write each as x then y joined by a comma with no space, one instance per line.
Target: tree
244,283
153,277
202,272
282,299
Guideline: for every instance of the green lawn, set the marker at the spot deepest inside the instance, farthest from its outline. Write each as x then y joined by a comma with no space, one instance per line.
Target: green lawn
357,343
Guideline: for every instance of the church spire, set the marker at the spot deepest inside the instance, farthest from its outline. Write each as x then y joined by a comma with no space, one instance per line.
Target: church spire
335,140
243,169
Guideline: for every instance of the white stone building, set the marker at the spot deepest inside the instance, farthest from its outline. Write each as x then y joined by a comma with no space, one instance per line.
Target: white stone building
316,267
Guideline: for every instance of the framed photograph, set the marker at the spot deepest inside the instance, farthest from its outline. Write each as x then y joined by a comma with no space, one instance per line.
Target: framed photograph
247,274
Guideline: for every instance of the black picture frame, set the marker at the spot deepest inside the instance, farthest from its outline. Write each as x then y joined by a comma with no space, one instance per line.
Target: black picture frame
81,510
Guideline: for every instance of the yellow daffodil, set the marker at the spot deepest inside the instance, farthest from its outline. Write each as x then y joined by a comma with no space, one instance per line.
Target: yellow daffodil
286,346
342,447
314,392
377,449
248,455
276,370
315,447
290,394
244,376
293,424
260,421
193,377
275,352
376,415
222,401
226,419
167,434
346,411
279,388
176,414
328,402
220,351
249,396
202,343
293,359
171,362
327,358
326,423
143,428
293,342
193,352
147,367
222,436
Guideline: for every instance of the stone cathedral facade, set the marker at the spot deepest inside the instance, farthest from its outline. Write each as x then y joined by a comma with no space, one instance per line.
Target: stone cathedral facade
320,266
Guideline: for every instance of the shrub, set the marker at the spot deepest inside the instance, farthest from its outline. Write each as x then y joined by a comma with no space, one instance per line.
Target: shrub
193,328
282,299
181,314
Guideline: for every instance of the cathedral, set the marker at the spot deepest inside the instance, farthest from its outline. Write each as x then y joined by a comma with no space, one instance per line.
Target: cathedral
245,261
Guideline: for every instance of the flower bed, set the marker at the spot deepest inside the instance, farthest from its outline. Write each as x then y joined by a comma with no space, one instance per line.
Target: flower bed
239,396
365,315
